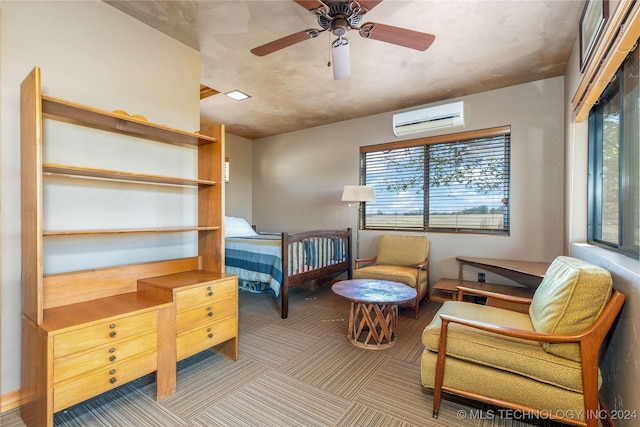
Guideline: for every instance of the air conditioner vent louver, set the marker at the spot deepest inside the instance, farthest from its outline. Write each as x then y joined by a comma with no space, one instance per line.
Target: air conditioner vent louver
429,118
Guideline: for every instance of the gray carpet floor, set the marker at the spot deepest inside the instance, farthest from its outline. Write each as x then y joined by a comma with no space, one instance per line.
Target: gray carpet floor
301,371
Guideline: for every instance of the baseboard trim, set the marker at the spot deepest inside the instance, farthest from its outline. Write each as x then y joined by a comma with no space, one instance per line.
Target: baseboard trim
9,401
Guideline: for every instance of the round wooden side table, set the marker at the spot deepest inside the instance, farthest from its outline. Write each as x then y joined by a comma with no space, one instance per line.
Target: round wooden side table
374,310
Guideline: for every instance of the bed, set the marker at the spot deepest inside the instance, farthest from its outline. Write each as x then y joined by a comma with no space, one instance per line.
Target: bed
256,258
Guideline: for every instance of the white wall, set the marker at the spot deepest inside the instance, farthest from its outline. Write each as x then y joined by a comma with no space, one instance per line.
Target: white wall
238,192
93,54
298,177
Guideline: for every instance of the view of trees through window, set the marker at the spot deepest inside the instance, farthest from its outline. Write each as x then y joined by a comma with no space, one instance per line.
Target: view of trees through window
458,185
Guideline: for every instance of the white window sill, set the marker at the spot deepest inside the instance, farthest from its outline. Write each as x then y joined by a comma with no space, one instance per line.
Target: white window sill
624,267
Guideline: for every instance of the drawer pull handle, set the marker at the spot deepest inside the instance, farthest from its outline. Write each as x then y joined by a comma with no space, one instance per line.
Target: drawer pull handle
112,349
210,335
111,372
210,293
112,358
112,326
208,288
113,380
208,329
113,334
211,314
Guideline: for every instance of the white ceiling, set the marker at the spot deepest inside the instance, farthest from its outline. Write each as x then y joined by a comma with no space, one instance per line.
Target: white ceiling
480,45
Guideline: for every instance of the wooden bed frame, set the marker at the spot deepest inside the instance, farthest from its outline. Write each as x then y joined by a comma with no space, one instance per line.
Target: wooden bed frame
289,241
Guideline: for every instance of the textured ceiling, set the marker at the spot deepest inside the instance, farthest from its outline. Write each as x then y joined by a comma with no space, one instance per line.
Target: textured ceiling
480,45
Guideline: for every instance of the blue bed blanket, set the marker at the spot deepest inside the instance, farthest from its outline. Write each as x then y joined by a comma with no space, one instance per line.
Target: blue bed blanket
256,260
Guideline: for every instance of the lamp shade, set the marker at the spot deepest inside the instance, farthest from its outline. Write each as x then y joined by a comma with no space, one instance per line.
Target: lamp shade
358,193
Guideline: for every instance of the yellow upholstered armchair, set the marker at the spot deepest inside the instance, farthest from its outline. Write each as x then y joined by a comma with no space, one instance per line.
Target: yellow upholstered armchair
544,362
403,259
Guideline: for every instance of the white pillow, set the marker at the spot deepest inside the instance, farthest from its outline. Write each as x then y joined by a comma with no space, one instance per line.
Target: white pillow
237,227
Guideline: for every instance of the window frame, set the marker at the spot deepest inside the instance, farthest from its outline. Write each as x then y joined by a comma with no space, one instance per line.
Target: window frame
467,136
595,167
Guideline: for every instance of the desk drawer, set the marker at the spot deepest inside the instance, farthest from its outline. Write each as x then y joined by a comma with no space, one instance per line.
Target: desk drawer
205,314
206,293
92,384
205,337
107,332
103,357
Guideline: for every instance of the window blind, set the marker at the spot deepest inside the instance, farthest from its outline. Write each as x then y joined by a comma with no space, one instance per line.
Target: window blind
455,185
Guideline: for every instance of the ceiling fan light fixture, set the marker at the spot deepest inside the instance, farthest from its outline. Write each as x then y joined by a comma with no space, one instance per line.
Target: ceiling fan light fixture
341,59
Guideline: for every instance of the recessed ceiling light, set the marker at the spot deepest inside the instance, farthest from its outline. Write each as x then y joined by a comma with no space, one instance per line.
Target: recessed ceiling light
237,95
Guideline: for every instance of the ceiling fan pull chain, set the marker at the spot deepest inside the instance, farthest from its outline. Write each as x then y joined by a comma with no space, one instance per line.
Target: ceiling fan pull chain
330,53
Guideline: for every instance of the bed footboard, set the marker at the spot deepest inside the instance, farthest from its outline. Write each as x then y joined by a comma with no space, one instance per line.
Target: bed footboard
311,255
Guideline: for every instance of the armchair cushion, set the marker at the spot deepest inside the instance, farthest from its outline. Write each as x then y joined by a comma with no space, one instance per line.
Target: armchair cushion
570,298
502,385
401,250
517,356
406,275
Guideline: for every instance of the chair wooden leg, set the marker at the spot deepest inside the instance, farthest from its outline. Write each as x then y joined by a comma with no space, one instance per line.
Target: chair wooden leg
439,380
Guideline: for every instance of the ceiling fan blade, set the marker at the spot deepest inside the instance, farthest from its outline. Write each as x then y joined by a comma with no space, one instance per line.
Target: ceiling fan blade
283,42
311,5
396,35
369,4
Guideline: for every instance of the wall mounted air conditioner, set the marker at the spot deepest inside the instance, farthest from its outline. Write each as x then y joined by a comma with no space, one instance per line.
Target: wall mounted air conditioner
429,118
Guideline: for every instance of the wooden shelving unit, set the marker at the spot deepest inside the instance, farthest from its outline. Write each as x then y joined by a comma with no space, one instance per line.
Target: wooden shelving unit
86,332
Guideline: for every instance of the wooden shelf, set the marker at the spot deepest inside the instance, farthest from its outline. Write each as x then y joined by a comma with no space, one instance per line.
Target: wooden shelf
128,231
108,174
93,117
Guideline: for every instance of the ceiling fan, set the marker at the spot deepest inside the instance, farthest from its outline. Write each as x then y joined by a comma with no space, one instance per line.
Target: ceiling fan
339,17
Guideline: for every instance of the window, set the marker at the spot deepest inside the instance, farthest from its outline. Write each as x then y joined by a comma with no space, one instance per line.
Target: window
614,181
452,183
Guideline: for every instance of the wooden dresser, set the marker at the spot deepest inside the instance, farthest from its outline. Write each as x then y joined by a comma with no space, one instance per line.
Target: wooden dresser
206,306
94,356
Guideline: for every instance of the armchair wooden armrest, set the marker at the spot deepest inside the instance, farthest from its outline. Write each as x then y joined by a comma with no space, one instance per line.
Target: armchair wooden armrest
359,261
479,292
510,332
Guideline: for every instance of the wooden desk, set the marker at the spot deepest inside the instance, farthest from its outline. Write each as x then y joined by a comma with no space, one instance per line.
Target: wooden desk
374,310
526,273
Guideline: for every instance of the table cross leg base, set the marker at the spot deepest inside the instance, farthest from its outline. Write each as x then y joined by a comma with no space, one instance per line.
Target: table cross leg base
372,326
